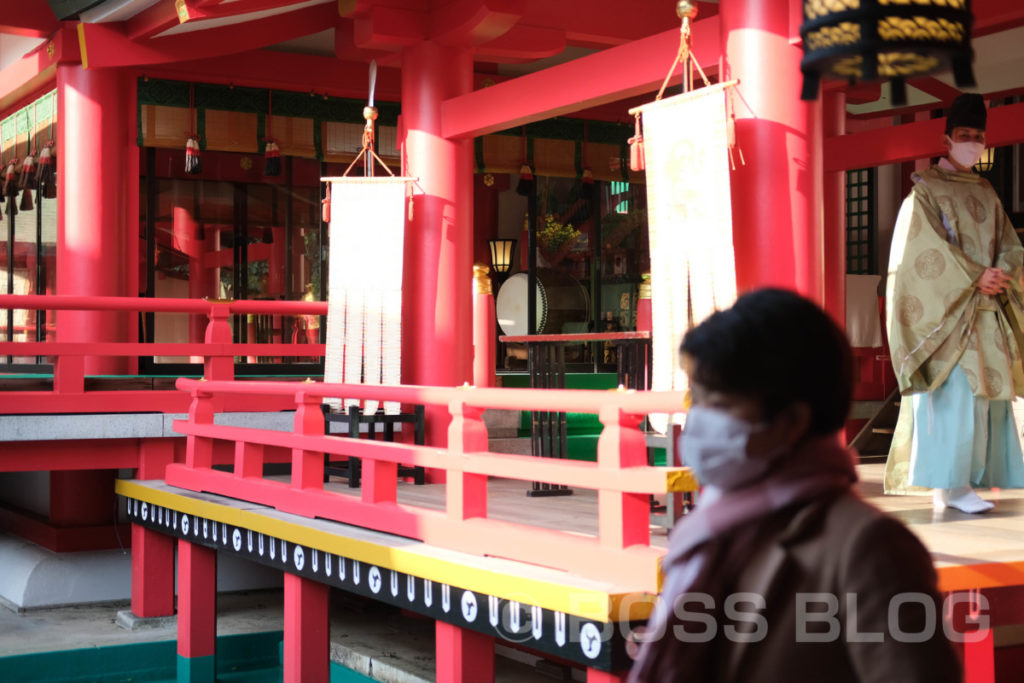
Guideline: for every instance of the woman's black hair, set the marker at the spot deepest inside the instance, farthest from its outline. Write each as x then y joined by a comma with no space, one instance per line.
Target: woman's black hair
776,346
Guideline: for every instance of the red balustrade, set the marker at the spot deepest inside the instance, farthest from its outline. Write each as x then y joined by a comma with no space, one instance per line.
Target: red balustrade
217,351
620,553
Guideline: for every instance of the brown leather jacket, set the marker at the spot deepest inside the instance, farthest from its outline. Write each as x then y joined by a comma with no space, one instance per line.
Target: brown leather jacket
840,547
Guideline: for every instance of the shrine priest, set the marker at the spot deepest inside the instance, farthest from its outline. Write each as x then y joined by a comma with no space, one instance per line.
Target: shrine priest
955,308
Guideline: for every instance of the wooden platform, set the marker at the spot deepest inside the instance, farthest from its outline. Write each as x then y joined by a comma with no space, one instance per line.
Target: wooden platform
547,610
958,541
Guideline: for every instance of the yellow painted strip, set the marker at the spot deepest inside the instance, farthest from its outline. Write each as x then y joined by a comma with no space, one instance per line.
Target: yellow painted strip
81,45
680,480
586,603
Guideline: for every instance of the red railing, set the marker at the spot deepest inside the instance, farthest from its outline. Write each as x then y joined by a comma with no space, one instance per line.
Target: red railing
620,552
218,351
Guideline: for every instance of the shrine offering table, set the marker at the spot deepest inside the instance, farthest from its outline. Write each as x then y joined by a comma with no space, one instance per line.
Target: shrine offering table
546,367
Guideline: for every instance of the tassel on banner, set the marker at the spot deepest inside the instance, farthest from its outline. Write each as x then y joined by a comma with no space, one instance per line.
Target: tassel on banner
193,165
587,185
637,161
325,205
526,181
11,186
46,170
26,181
272,159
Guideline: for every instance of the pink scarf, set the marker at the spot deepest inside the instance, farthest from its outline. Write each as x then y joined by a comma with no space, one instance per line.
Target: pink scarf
706,545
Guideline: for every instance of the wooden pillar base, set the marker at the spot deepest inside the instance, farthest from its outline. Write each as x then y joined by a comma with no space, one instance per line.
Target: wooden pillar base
152,573
306,631
197,612
463,656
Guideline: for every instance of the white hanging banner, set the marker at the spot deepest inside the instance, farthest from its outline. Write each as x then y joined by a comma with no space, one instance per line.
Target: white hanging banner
364,284
689,214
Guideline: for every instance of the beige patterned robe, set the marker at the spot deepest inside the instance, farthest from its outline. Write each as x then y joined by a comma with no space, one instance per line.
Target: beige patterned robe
950,228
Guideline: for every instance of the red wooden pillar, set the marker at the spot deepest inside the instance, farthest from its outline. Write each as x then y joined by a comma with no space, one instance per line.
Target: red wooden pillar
979,659
152,551
463,655
483,328
98,177
197,613
306,631
834,197
776,196
437,305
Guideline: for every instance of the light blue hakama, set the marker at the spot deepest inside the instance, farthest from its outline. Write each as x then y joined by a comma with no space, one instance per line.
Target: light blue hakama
962,438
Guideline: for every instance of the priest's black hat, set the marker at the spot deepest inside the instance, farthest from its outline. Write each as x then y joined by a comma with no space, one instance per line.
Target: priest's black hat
967,110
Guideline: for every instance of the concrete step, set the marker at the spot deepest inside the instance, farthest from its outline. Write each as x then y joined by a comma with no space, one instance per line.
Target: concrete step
514,446
501,424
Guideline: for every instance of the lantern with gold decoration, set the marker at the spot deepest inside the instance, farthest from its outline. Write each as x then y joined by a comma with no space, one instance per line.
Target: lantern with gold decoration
871,40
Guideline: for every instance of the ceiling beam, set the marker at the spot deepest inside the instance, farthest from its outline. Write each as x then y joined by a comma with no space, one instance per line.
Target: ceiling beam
613,74
993,16
151,21
287,71
471,22
522,44
197,10
37,69
31,18
105,45
912,141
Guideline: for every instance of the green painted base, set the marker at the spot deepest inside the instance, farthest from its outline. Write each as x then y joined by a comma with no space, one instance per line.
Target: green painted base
246,658
197,669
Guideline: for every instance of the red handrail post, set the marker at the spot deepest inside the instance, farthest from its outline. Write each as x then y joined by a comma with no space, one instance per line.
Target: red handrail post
199,449
69,375
152,552
466,493
623,518
218,331
308,466
248,460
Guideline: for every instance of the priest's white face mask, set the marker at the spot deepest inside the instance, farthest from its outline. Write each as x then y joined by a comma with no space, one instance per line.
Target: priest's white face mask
965,145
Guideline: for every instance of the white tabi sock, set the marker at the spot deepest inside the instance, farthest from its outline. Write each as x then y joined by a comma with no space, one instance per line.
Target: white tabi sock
962,498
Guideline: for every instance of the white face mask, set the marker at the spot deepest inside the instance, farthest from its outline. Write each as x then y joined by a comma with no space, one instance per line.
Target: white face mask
714,445
967,154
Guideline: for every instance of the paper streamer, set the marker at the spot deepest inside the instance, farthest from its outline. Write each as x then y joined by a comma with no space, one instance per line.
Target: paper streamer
689,213
364,309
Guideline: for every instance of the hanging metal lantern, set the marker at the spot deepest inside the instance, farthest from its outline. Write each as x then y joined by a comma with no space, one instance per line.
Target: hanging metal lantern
870,40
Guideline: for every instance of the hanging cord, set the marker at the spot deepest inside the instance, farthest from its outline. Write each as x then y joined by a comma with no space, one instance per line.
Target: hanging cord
687,12
271,152
367,153
193,165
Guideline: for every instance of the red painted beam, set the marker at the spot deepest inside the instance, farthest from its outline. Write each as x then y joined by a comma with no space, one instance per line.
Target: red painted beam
993,16
521,44
32,18
197,10
151,21
605,23
105,45
471,22
613,74
287,71
30,74
934,87
912,141
90,454
387,28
